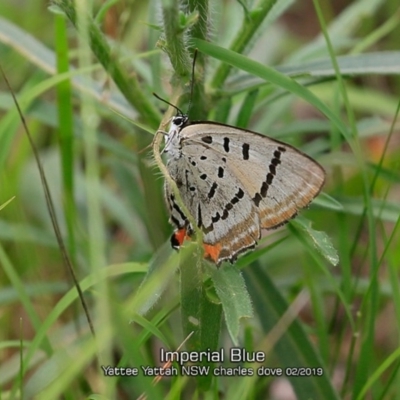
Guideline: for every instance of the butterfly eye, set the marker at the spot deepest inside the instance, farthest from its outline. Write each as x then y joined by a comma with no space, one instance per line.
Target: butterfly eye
179,120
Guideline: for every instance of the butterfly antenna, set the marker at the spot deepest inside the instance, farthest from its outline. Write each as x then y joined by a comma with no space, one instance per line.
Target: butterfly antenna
191,90
192,82
170,104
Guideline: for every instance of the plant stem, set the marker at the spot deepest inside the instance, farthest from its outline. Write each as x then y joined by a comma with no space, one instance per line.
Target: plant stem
129,86
249,27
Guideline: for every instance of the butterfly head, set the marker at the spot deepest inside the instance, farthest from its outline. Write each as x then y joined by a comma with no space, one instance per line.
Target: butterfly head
179,121
172,141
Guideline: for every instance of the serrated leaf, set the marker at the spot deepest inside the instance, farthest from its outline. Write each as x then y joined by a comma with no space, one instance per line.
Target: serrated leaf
231,289
320,240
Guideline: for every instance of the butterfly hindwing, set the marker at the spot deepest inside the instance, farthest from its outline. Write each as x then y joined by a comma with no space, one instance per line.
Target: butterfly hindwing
216,201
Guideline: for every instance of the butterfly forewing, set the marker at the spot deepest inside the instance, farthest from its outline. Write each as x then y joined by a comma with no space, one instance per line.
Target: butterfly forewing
236,182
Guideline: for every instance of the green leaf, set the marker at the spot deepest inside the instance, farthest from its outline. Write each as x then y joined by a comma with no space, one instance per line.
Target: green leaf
44,58
48,372
326,201
7,202
231,289
161,270
56,10
273,76
382,63
378,63
341,29
200,316
382,209
320,240
293,347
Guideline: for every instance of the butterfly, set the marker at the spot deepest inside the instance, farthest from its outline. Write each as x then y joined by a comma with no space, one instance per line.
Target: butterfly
235,183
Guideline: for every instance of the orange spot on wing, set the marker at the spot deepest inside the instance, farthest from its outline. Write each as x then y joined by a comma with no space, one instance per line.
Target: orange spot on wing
181,235
212,251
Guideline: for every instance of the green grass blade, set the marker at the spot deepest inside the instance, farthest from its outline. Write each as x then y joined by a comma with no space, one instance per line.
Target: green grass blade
293,349
273,76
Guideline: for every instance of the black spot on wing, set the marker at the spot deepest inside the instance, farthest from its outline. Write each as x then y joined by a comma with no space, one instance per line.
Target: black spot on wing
245,151
174,242
199,216
216,217
239,195
275,161
272,169
220,172
207,139
203,176
264,189
257,198
175,221
225,214
174,206
235,200
226,144
212,191
179,211
186,177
